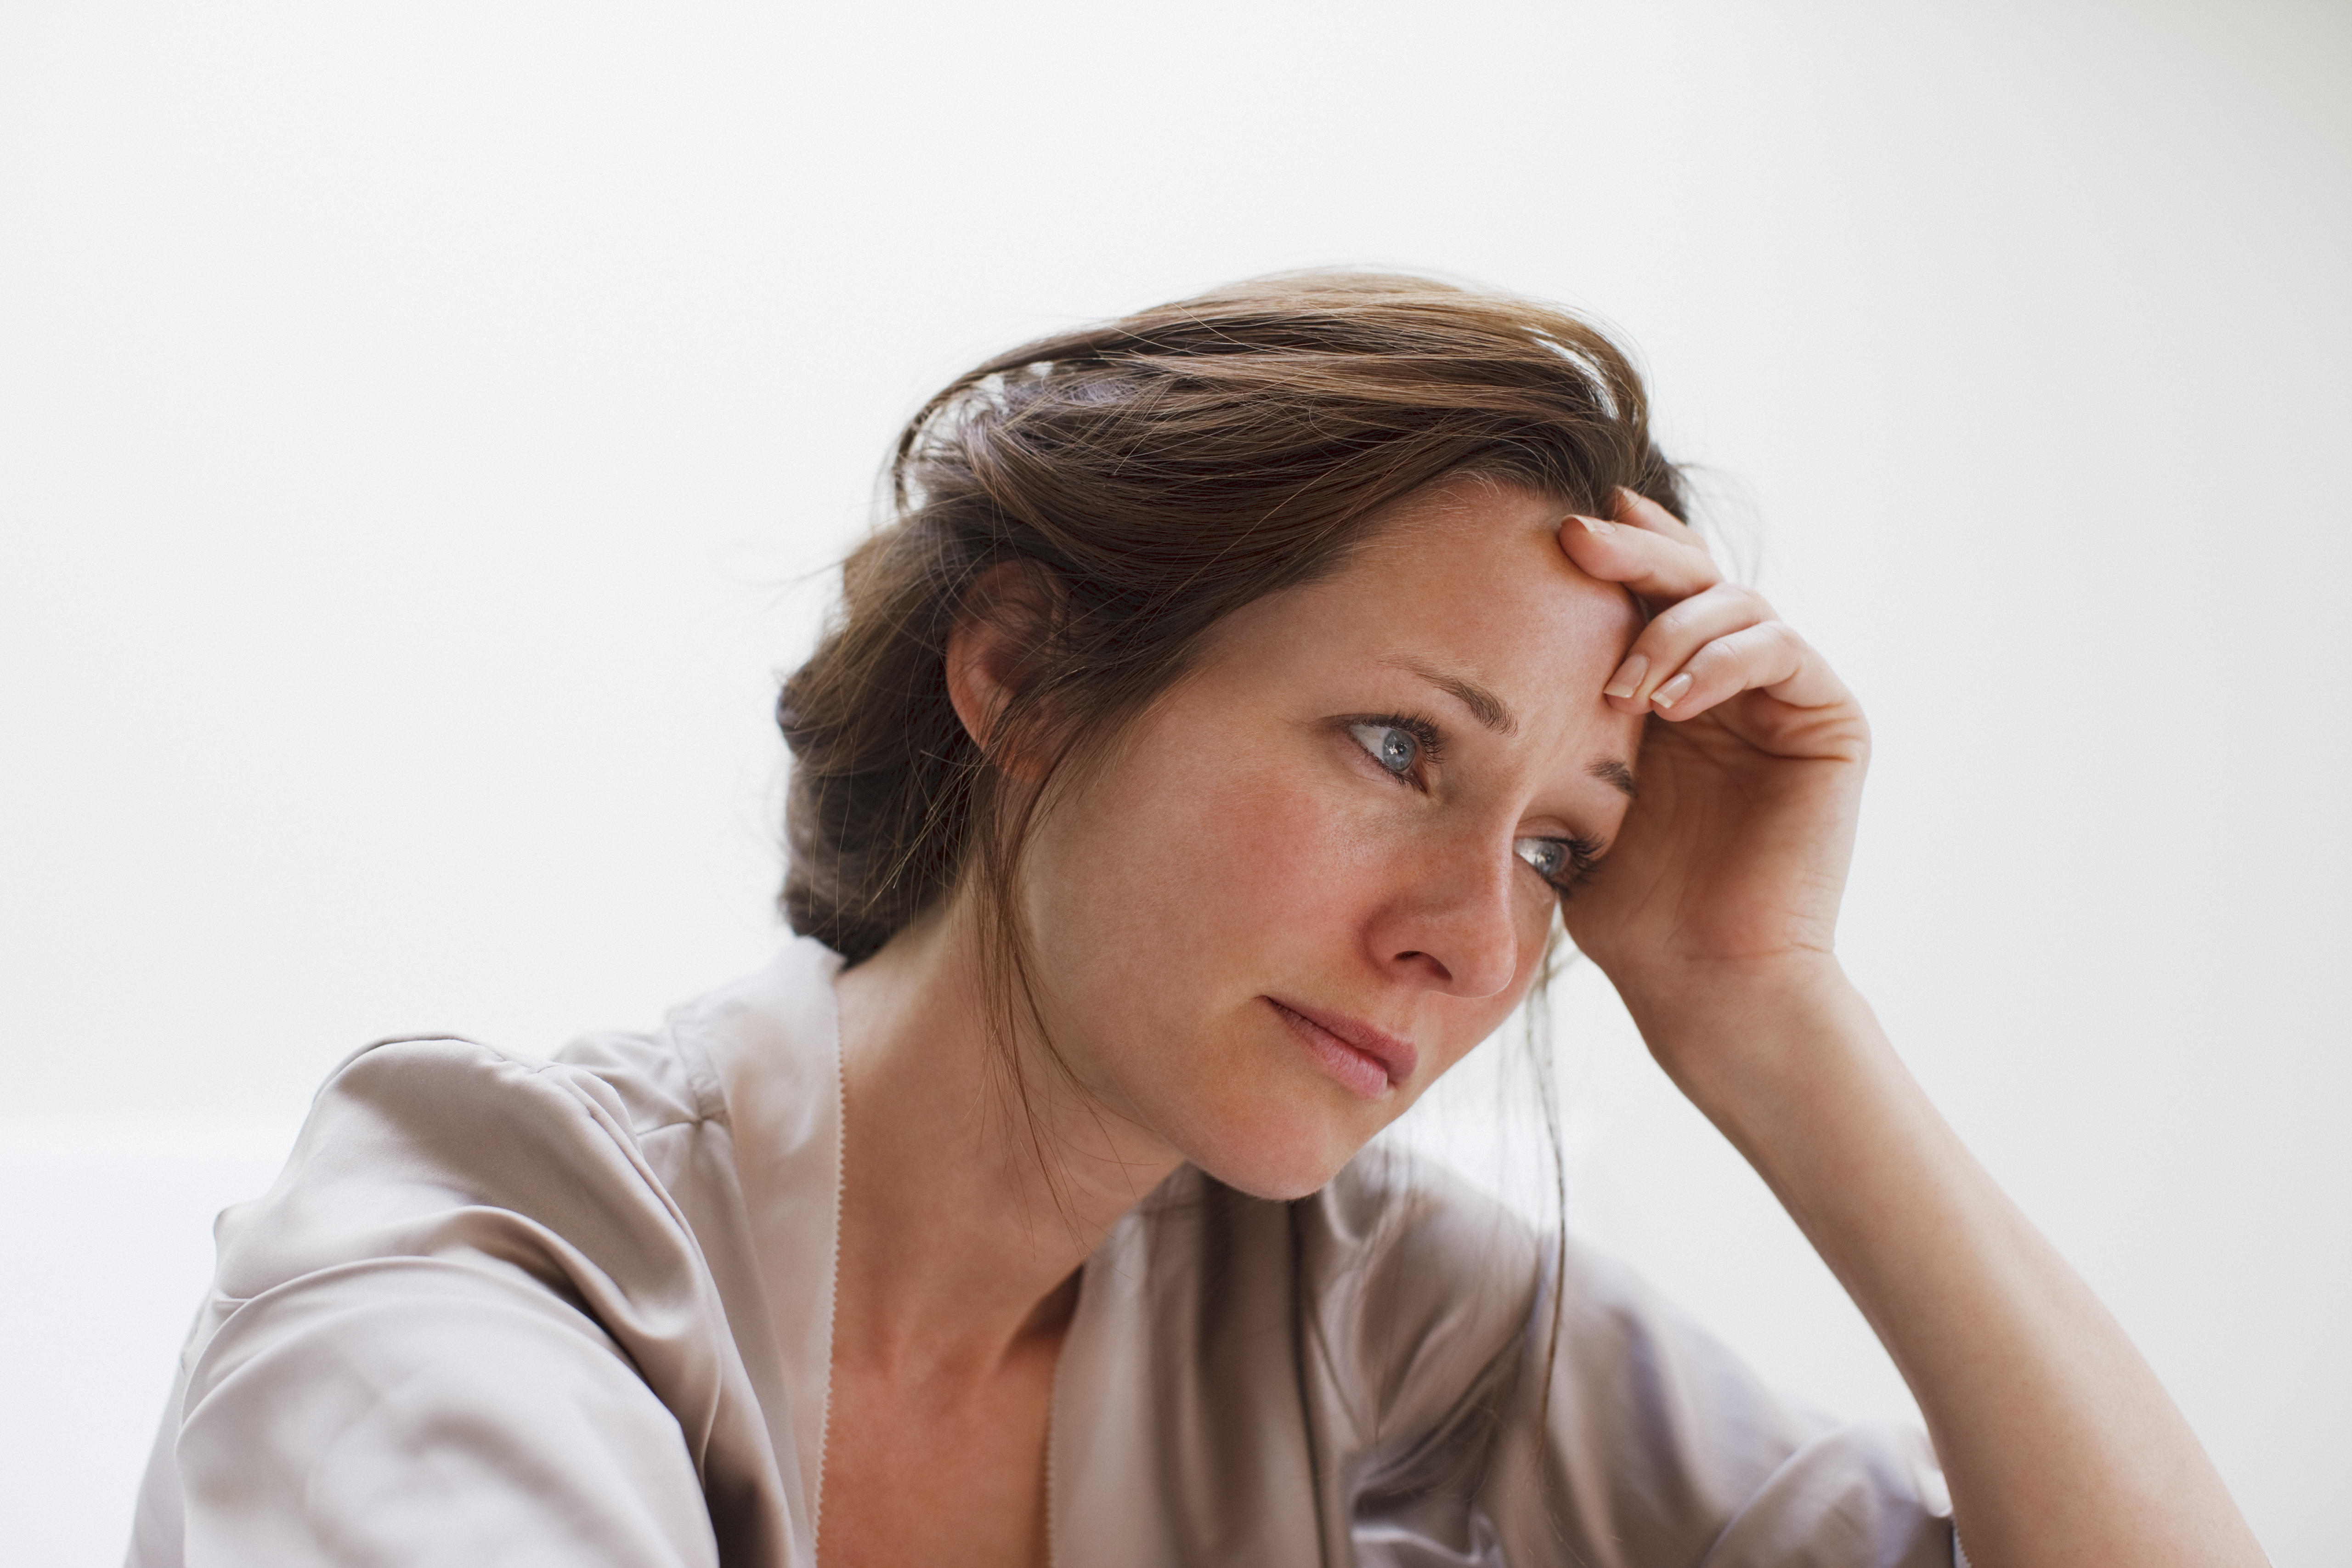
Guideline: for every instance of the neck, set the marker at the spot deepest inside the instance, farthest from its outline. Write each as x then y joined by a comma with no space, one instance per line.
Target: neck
974,1186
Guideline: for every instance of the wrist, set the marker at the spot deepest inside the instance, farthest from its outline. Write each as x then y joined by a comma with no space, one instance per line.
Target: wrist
1730,1030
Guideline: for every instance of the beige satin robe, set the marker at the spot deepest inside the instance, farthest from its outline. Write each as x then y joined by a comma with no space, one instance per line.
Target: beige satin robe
498,1310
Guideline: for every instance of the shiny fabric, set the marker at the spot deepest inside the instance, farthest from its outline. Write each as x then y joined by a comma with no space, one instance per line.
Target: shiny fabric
504,1311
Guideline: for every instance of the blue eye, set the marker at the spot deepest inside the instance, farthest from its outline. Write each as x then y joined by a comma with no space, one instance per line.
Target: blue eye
1547,856
1395,750
1563,862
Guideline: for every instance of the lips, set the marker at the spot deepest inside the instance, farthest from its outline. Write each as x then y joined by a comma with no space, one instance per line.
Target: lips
1365,1059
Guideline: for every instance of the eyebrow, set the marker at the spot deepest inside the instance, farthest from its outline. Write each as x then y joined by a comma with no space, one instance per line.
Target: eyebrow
1483,705
1490,712
1617,776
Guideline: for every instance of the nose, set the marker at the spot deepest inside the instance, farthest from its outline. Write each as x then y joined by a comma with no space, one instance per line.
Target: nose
1454,923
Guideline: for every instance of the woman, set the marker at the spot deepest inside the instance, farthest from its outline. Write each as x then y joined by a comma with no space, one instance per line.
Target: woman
1202,749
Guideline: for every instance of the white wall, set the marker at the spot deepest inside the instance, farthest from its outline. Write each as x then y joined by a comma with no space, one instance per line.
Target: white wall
422,428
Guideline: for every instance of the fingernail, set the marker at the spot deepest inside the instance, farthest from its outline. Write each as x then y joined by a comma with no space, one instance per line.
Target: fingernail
1628,676
1593,524
1672,692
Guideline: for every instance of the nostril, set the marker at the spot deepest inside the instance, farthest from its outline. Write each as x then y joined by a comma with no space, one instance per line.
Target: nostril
1444,970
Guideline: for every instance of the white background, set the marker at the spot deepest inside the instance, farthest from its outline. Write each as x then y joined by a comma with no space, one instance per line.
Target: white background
424,429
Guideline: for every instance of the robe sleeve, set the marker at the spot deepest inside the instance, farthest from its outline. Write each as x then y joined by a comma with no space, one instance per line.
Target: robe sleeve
466,1325
1630,1436
1487,1397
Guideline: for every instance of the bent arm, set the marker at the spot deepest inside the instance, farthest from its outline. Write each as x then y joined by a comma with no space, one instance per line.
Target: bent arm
414,1409
467,1323
2060,1446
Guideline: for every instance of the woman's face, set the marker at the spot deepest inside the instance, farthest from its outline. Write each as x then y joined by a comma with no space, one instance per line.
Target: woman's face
1322,867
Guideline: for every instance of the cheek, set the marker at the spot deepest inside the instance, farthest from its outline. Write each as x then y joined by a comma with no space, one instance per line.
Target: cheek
1160,876
1184,886
1241,860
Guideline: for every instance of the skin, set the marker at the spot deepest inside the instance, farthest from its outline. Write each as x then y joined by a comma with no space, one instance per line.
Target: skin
1244,858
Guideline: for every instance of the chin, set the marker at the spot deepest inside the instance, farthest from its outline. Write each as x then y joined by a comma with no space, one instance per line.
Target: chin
1279,1164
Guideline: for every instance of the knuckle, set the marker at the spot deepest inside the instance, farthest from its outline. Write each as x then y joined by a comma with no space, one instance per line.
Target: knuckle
1710,660
1740,602
1673,623
1700,570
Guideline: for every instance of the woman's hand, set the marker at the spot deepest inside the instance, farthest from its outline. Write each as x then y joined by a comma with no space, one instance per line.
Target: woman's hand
1713,915
1730,865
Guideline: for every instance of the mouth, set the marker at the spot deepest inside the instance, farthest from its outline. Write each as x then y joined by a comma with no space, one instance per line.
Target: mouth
1368,1061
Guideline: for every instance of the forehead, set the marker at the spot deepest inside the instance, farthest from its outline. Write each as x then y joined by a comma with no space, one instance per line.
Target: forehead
1470,569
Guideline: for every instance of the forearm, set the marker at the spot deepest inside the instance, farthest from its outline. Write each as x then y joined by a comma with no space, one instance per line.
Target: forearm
2059,1444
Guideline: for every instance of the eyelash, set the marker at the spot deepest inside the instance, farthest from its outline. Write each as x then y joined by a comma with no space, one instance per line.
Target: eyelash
1583,854
1583,859
1425,735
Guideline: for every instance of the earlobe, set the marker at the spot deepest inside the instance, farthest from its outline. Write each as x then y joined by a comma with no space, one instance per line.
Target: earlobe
997,645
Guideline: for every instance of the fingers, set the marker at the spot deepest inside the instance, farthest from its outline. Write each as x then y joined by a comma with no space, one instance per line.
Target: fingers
1765,655
1676,633
1644,546
1707,640
1714,645
1636,510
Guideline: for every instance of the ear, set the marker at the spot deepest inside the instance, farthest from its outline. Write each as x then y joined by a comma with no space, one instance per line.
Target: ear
994,648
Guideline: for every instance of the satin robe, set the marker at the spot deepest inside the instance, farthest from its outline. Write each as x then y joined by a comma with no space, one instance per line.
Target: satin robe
501,1310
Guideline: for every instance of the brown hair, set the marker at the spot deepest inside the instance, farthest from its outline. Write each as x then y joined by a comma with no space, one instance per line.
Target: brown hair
1165,469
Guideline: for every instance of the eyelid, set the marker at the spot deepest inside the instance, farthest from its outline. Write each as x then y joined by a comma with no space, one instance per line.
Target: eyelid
1580,857
1431,738
1583,859
1583,854
1429,742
